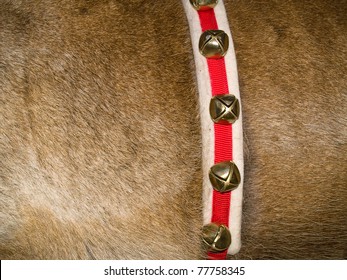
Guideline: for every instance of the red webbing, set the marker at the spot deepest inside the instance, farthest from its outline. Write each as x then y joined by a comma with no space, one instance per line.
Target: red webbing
223,133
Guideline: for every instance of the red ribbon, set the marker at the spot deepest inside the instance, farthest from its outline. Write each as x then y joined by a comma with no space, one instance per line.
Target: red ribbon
223,133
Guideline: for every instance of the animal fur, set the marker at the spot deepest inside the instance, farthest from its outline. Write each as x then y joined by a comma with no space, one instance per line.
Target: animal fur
100,138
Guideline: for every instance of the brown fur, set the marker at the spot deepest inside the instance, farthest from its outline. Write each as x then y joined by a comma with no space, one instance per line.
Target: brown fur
100,137
292,64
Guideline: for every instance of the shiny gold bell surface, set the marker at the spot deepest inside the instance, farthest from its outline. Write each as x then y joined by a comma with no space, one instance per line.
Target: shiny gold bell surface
225,176
224,109
201,5
216,237
214,43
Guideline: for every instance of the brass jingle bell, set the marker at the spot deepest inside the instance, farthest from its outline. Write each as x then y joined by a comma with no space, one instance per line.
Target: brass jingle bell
224,109
214,43
224,176
202,5
216,237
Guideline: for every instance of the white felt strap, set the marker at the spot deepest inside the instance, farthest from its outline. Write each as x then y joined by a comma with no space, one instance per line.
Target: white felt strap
207,128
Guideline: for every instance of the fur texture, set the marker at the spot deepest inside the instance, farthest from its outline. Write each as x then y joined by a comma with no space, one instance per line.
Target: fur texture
292,68
100,137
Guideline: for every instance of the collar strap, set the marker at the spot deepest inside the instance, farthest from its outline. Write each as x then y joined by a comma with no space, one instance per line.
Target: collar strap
221,124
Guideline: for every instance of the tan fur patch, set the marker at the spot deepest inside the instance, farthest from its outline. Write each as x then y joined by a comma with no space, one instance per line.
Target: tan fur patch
292,66
102,132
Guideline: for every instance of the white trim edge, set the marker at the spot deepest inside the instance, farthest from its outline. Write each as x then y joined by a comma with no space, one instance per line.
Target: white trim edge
207,129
